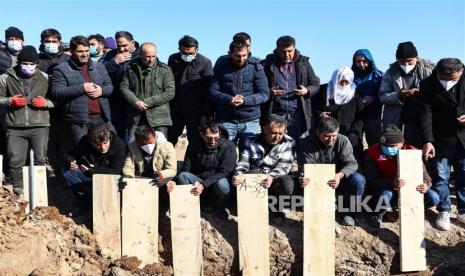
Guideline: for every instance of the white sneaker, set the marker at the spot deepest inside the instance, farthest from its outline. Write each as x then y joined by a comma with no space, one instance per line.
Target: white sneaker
443,221
461,218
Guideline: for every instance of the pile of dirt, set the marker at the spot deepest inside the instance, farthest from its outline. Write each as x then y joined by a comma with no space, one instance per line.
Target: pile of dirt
48,243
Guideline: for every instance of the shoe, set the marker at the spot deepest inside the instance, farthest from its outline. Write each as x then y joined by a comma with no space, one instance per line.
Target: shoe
461,218
278,218
348,221
79,211
443,221
376,220
392,216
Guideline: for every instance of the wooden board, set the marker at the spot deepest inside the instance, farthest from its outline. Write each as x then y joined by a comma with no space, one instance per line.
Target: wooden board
253,226
186,232
106,214
411,212
40,189
139,223
181,147
319,221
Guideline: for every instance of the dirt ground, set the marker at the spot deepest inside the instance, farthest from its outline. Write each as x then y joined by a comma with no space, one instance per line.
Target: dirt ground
46,242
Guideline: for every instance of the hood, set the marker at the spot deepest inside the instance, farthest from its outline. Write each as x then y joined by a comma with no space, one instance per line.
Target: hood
367,54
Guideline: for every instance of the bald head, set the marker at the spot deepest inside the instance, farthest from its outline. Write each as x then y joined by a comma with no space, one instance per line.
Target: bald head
148,53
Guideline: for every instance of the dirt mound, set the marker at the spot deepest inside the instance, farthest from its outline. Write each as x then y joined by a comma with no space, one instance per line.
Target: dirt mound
48,243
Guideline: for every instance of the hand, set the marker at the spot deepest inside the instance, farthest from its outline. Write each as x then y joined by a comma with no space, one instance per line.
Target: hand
97,92
89,87
157,178
334,183
84,168
237,100
428,151
73,166
170,186
302,90
266,183
404,93
368,100
325,114
141,106
461,120
422,188
18,100
398,183
237,179
197,189
414,91
275,91
39,102
304,180
123,57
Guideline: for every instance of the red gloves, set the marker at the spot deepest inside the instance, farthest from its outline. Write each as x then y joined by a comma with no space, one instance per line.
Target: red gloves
18,100
39,102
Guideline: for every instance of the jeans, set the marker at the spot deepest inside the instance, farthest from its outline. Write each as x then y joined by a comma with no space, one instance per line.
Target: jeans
352,186
220,189
431,197
20,140
241,130
80,184
441,168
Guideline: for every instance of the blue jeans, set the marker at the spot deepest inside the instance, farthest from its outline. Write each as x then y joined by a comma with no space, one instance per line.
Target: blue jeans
441,168
431,197
79,184
241,130
351,186
220,189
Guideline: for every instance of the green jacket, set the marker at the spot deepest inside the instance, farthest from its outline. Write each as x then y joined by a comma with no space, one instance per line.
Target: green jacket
26,116
158,91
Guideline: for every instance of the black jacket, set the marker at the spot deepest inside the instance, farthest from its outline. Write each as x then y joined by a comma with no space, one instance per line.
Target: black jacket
192,80
305,76
5,59
211,165
48,61
439,111
111,162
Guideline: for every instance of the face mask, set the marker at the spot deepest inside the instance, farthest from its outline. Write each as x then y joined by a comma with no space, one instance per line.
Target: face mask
390,151
148,148
188,58
15,45
407,68
93,51
51,48
27,69
448,84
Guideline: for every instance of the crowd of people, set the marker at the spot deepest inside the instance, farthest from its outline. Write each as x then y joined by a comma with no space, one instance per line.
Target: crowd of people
110,106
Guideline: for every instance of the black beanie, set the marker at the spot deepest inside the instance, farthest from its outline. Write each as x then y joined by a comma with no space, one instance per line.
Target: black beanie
13,32
392,135
28,54
406,50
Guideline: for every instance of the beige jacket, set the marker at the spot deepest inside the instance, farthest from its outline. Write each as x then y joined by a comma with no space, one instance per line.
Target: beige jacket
164,159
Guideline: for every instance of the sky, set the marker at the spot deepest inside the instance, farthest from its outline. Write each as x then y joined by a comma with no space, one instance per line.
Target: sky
329,32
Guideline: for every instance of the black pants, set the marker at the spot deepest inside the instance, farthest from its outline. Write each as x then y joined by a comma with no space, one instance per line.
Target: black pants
179,122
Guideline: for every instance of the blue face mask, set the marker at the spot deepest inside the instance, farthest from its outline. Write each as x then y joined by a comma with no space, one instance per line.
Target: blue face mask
389,151
93,51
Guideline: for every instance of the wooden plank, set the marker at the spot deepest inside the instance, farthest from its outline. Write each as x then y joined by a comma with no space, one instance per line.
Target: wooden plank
139,223
181,147
106,214
186,232
40,182
411,212
319,221
253,226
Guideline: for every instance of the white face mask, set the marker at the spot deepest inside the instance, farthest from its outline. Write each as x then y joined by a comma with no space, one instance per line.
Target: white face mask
448,84
188,58
28,69
148,148
407,68
51,48
15,45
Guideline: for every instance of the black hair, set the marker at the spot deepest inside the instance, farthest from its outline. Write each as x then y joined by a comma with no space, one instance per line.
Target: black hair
188,42
237,44
98,133
242,36
49,33
124,34
97,37
78,40
327,124
275,119
285,41
143,132
448,66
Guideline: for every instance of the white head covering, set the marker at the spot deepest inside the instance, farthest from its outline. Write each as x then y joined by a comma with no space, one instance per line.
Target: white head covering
341,94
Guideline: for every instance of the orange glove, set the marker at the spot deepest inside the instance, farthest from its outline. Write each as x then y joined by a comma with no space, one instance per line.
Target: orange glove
39,102
18,100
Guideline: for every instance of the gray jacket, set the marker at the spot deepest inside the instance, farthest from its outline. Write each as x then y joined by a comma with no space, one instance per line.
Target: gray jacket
310,150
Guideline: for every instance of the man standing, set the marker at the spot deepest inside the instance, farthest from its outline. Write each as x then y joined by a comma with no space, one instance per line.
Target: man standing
82,87
14,41
51,50
292,83
192,74
23,90
96,47
442,120
238,89
147,87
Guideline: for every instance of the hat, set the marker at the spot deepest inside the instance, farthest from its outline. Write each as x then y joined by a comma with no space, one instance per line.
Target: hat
28,54
13,32
109,43
406,50
392,135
